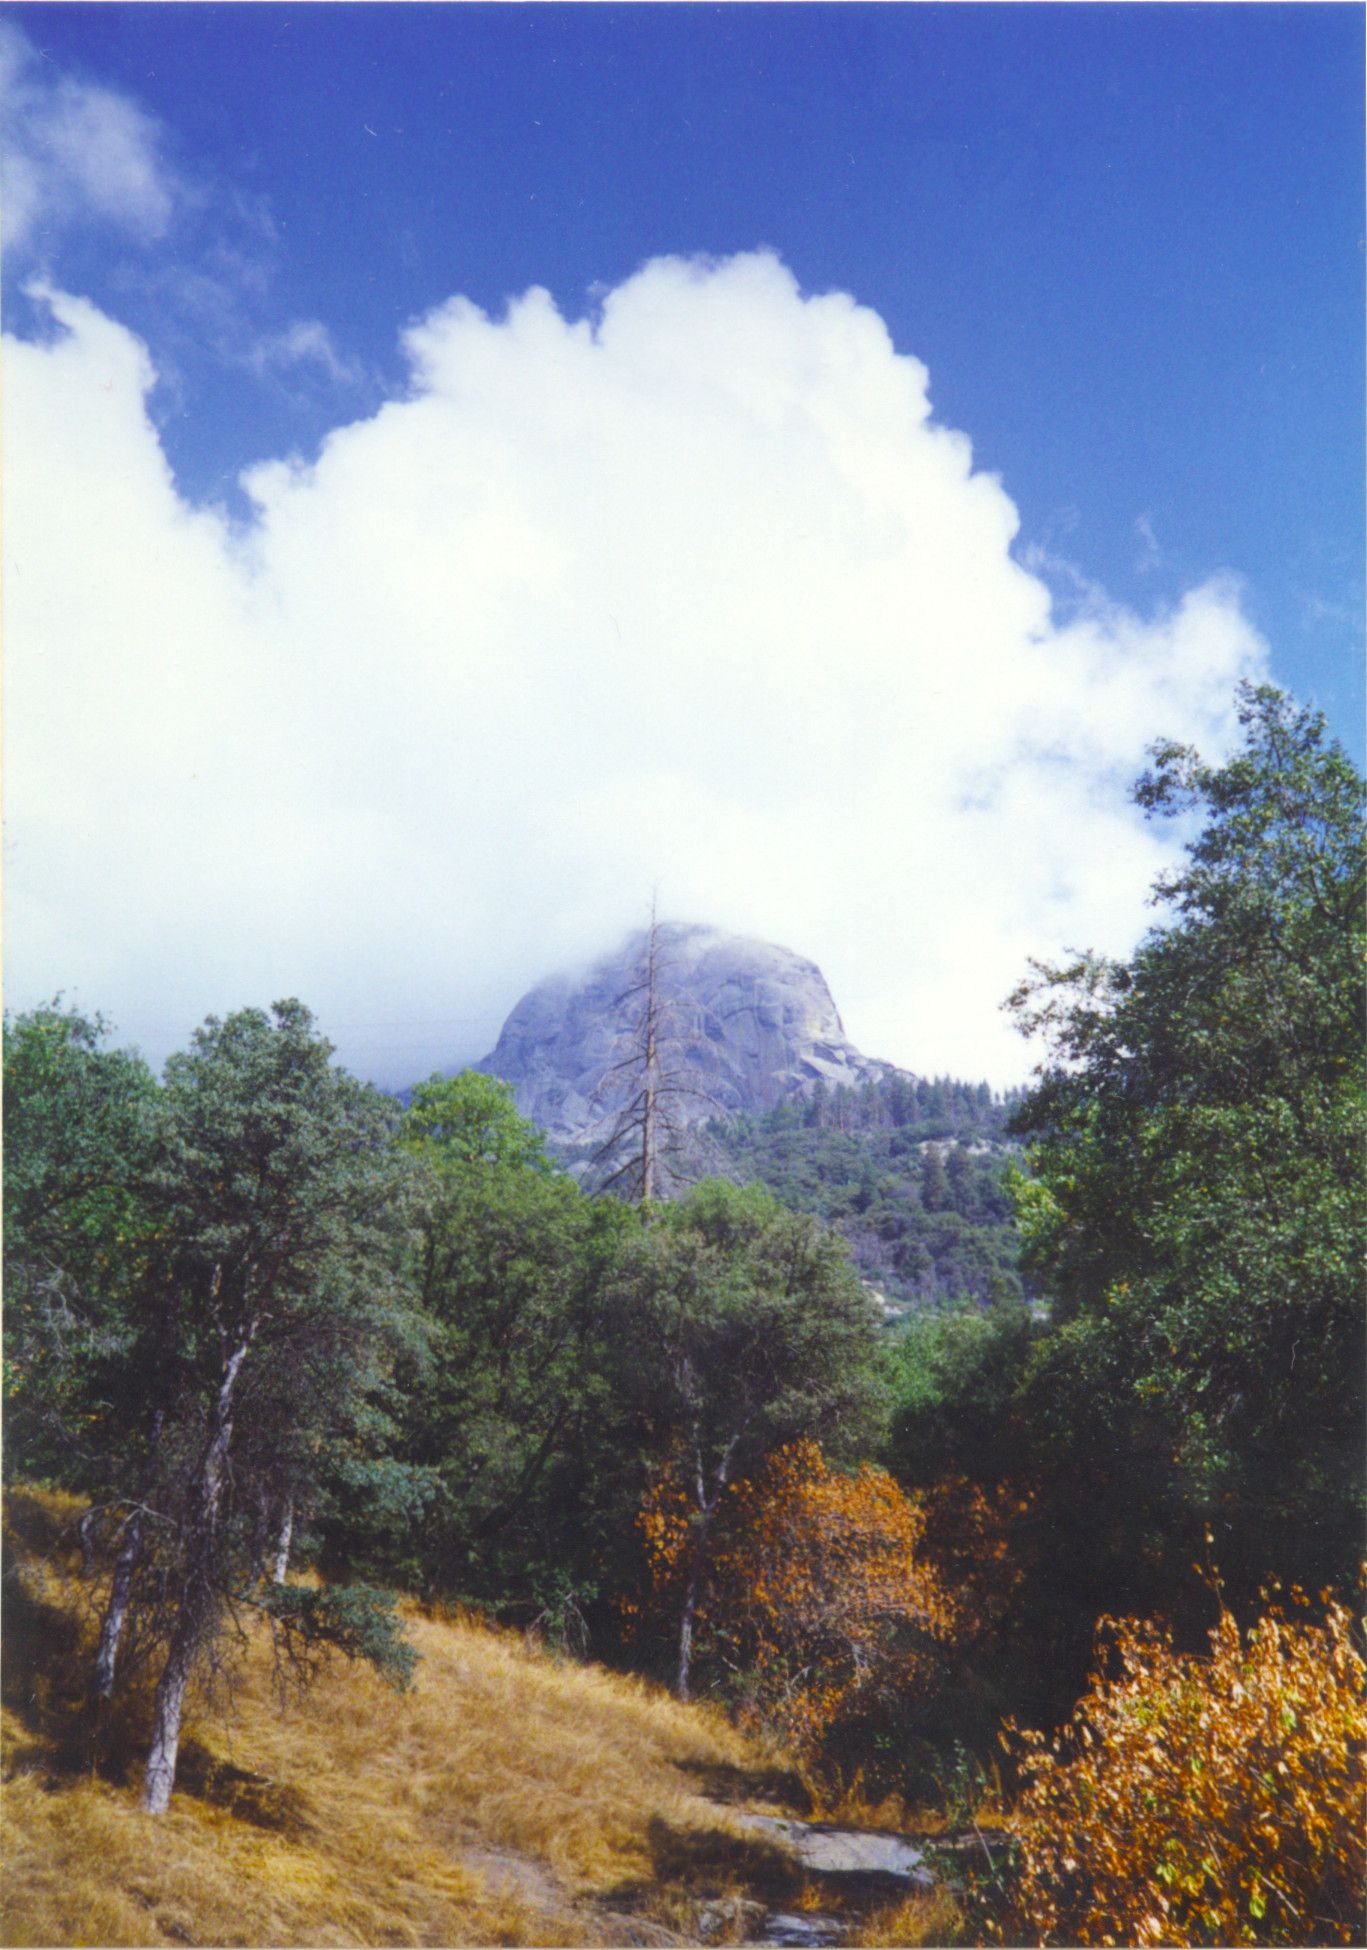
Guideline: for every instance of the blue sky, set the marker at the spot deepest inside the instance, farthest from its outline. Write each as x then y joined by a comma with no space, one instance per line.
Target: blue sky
1125,241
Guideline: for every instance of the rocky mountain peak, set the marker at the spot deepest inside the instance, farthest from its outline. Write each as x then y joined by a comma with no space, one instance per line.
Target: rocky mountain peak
747,1022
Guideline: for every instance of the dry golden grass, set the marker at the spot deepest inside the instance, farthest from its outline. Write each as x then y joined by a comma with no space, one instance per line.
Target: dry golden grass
509,1798
932,1917
846,1803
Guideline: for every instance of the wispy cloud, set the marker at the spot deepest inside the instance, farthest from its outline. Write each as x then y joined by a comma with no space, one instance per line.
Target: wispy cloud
74,150
1074,592
1317,610
305,342
78,156
1150,555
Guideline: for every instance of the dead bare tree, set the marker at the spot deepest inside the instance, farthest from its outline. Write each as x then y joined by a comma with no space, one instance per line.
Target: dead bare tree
646,1138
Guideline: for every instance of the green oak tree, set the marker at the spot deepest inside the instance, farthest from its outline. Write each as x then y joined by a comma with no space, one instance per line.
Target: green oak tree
1196,1212
496,1419
272,1287
79,1123
741,1326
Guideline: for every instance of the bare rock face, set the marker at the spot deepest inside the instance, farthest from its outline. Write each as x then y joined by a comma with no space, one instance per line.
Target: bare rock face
746,1023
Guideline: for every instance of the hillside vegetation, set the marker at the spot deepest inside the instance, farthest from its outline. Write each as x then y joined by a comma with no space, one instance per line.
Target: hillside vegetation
914,1175
509,1797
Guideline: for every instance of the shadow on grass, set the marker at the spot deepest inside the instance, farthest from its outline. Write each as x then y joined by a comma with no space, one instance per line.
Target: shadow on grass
697,1865
241,1792
45,1655
720,1781
41,1523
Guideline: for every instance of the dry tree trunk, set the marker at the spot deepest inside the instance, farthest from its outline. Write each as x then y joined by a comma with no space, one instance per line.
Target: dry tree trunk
121,1585
284,1538
648,1139
195,1616
646,1130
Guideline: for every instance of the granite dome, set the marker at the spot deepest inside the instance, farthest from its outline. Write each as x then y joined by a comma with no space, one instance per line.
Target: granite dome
749,1021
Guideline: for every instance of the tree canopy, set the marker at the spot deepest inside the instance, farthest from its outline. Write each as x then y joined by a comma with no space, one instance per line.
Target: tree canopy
742,1327
1196,1212
80,1133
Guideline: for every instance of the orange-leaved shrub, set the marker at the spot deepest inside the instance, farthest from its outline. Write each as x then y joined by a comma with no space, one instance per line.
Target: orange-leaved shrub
818,1592
1203,1800
973,1535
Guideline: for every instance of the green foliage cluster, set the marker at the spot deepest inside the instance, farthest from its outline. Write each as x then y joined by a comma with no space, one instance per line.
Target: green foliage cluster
1198,1210
1194,1215
490,1418
257,1307
953,1379
79,1137
357,1620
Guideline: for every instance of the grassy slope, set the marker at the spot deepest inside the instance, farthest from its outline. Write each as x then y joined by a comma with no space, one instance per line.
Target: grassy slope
507,1799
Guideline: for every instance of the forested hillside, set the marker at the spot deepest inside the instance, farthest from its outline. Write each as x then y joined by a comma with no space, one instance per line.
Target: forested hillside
912,1172
302,1366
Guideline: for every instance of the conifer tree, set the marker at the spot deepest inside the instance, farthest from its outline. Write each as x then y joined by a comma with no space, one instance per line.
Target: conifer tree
934,1180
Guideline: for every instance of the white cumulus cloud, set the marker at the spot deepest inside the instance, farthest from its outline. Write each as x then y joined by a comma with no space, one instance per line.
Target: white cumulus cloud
692,592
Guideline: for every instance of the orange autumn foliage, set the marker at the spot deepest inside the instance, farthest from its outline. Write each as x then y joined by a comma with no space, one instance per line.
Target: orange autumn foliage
818,1590
1214,1800
665,1523
972,1535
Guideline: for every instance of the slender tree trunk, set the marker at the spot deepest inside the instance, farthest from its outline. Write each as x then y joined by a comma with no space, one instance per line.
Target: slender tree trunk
121,1585
83,1531
195,1615
707,1505
283,1542
648,1138
116,1611
160,1777
690,1607
648,1147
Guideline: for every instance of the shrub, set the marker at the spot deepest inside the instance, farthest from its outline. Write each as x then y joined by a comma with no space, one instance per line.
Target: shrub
973,1535
1214,1800
818,1598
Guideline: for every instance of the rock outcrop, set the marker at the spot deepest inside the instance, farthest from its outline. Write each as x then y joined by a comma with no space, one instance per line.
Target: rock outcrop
746,1024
